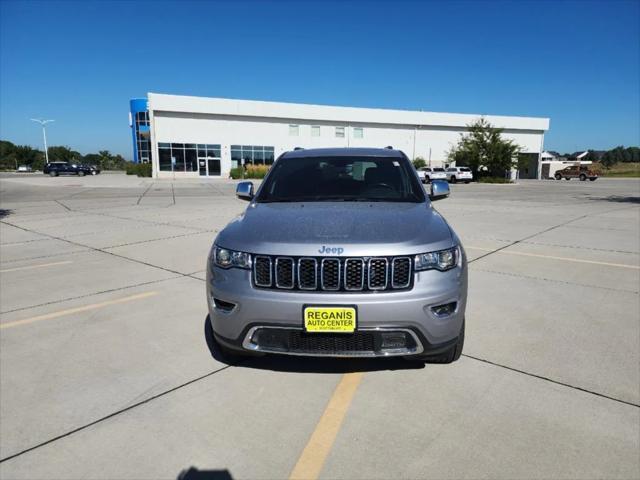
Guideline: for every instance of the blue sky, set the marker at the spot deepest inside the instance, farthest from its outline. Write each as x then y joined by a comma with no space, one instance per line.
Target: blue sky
80,62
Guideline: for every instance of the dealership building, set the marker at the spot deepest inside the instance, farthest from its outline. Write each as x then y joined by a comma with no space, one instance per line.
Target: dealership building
191,137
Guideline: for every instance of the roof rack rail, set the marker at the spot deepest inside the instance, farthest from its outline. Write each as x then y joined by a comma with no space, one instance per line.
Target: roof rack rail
389,147
298,148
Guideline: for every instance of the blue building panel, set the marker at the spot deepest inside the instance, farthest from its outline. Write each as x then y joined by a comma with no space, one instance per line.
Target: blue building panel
140,130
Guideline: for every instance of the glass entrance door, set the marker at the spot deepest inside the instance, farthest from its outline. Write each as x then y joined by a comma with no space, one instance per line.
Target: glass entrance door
209,166
213,165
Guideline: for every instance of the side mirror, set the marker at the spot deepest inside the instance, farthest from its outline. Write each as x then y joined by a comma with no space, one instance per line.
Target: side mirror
244,191
439,190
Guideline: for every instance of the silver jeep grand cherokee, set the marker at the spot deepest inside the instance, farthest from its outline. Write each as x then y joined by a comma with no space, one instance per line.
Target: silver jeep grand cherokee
339,253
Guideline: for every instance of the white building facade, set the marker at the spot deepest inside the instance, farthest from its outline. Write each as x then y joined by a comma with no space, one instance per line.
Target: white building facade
206,137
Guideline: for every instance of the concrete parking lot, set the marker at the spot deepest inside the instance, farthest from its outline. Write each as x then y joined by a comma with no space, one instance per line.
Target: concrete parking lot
105,371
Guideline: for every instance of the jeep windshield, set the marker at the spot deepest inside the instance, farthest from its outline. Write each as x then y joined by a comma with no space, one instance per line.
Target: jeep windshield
341,179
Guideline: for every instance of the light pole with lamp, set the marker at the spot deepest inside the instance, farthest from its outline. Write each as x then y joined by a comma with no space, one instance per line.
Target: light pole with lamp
44,135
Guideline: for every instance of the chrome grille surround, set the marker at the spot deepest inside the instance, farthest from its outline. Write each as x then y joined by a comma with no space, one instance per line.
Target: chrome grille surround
303,273
400,268
259,264
333,274
350,283
377,268
284,268
329,277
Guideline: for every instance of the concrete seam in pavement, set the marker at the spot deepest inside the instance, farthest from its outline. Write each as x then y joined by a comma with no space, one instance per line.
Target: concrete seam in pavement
106,252
581,248
118,412
111,290
143,194
523,240
63,205
43,256
557,382
518,275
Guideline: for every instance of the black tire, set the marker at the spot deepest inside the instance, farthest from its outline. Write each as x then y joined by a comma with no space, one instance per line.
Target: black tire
583,177
81,173
453,179
53,174
567,178
593,179
428,180
467,181
558,176
448,356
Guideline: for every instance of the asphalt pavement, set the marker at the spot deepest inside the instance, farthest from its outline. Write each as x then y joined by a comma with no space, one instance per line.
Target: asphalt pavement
106,371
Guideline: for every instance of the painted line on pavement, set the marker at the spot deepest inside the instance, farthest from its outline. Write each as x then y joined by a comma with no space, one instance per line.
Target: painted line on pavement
84,308
31,267
552,257
315,453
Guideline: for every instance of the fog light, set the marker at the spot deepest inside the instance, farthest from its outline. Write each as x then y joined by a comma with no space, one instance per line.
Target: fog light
273,340
393,340
444,310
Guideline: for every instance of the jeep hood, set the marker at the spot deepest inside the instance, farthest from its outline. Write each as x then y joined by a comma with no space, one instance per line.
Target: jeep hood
359,228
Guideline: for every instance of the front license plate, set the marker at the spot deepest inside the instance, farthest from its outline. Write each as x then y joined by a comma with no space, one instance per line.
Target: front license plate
329,319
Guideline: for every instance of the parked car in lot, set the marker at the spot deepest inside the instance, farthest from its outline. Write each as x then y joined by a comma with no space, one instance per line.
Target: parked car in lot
24,168
64,168
459,174
428,174
576,171
339,254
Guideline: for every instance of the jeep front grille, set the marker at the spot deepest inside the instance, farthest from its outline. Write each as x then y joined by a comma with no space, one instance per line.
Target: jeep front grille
352,274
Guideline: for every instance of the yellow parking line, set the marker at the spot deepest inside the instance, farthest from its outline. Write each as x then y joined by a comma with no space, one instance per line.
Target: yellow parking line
30,267
84,308
552,257
315,453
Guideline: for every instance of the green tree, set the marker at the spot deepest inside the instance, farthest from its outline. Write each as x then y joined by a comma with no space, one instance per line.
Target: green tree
25,155
63,154
7,155
419,162
484,147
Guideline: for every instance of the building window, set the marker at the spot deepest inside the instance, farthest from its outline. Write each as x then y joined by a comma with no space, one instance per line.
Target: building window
183,157
212,151
294,130
253,154
142,118
357,132
315,130
339,132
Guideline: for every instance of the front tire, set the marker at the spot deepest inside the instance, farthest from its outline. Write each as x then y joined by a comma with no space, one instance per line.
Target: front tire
593,179
94,172
53,174
81,174
453,179
567,178
467,181
558,177
448,356
583,177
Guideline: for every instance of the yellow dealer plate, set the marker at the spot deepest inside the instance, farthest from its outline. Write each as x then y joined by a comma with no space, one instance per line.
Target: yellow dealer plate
329,319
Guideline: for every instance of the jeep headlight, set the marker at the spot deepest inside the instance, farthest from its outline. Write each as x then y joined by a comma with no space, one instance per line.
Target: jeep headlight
225,258
441,260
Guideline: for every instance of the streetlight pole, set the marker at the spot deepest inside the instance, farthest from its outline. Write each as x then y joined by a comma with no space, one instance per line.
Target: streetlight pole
44,135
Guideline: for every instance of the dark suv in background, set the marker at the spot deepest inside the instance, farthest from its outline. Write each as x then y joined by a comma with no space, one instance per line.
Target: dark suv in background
63,168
